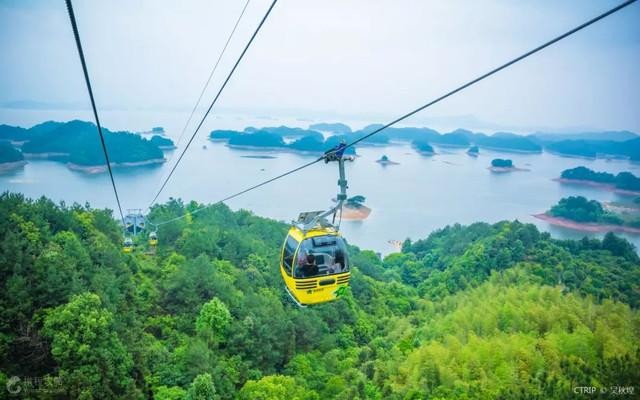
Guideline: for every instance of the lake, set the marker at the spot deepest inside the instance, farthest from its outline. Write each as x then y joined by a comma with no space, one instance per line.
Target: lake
408,200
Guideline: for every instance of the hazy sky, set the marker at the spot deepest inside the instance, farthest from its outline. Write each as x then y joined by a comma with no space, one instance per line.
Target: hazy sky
333,58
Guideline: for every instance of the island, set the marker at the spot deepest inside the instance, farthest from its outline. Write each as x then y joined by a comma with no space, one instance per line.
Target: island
13,134
457,138
506,141
423,147
77,144
622,183
335,127
384,160
500,165
473,151
623,145
616,136
579,213
260,139
268,139
354,209
10,157
163,142
628,149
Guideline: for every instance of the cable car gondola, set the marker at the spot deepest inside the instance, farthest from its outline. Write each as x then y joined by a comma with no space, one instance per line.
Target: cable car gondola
314,262
128,246
153,239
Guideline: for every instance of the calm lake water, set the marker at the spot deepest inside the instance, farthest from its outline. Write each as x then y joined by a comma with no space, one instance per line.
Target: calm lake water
408,200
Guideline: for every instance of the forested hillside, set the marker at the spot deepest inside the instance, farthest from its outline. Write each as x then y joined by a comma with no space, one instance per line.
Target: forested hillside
480,311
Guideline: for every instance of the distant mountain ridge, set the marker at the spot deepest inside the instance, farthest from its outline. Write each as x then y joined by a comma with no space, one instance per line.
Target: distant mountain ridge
588,144
615,136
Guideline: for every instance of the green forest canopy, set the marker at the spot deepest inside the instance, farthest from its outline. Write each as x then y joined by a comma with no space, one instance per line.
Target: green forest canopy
623,180
479,311
501,163
580,209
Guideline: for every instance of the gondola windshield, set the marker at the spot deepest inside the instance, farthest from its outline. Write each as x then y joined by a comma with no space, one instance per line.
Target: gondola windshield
320,256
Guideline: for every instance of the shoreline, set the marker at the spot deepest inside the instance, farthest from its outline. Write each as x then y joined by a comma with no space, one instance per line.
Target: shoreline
98,169
266,149
509,150
12,165
501,170
45,155
585,226
599,185
387,162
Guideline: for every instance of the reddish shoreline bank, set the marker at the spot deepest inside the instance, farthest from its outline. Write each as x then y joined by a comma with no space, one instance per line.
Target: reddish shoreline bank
585,227
355,214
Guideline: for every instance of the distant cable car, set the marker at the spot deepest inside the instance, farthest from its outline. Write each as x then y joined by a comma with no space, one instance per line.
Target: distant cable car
127,247
153,239
134,221
314,262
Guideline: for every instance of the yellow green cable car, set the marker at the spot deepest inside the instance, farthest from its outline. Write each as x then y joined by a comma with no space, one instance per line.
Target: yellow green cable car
314,262
128,246
153,239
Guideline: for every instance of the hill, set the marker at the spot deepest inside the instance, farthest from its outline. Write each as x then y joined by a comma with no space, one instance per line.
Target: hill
597,148
274,139
77,143
335,127
507,141
9,154
479,311
617,136
623,181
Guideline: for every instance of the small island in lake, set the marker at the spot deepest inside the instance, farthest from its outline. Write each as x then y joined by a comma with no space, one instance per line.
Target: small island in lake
423,147
384,160
500,165
579,213
622,183
473,151
354,209
10,157
163,142
77,144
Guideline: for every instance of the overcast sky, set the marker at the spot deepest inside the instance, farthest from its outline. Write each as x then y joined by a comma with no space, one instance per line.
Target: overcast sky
333,58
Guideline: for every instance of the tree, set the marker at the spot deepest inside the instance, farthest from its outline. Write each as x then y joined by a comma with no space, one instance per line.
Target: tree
202,388
276,387
213,320
93,361
169,393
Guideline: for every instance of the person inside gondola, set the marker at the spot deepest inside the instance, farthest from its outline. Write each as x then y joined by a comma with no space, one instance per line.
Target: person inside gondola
338,263
308,267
